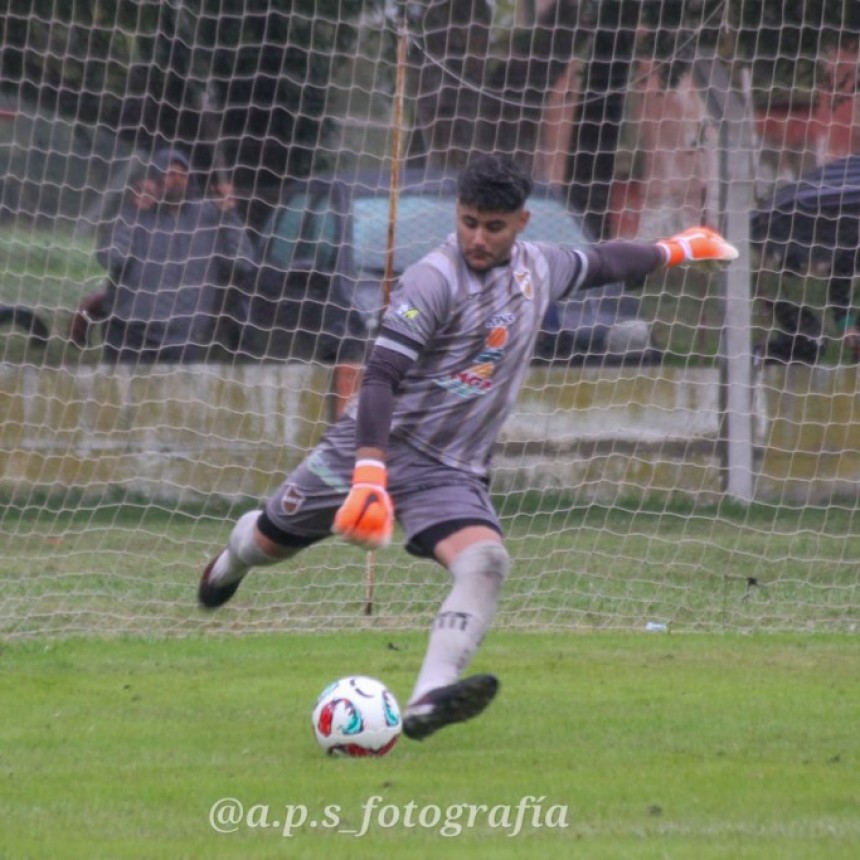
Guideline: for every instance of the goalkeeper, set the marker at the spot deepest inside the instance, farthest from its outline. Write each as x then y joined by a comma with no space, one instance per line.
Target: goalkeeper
415,444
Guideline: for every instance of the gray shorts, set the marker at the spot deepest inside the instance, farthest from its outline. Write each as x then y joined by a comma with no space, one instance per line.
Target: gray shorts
426,494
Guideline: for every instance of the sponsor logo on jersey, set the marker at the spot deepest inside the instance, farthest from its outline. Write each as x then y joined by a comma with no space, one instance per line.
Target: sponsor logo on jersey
497,320
407,314
477,379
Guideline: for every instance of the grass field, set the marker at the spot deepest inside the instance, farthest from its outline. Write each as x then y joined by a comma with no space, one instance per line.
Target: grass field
618,742
72,567
617,745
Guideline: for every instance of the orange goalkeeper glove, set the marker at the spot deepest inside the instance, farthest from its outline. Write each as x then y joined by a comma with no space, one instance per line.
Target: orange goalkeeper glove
698,245
367,515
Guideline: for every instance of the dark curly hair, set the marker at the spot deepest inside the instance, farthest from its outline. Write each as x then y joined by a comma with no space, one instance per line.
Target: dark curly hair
493,183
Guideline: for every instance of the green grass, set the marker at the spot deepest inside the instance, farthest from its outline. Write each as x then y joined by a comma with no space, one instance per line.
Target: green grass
127,712
645,745
49,271
46,269
71,568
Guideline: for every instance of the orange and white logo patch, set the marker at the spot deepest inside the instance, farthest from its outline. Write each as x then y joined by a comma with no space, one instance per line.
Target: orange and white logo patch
497,337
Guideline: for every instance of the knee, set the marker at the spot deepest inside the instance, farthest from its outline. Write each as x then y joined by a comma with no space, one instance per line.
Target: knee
487,562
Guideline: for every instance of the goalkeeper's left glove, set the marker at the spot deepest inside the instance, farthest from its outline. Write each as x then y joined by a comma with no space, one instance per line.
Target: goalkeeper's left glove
367,515
698,246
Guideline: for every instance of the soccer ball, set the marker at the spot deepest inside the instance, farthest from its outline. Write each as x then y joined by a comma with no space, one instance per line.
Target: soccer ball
357,716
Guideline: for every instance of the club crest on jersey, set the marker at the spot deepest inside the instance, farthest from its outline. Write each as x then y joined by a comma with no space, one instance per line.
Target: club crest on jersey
291,500
524,282
477,379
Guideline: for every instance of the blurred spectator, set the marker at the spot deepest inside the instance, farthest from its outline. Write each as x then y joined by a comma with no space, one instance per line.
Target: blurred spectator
183,285
180,270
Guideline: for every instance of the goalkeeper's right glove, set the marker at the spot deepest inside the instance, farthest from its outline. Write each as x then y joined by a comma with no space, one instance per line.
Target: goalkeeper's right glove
697,245
367,515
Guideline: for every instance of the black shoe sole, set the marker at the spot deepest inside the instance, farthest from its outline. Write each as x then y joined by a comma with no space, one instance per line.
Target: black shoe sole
455,703
211,596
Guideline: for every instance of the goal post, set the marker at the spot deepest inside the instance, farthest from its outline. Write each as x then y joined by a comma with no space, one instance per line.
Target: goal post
731,109
684,452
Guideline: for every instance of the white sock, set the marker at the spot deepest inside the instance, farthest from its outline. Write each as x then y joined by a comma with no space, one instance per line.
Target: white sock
242,552
478,573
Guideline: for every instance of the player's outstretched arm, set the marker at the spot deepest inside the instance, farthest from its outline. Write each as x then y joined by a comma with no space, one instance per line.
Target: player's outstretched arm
700,246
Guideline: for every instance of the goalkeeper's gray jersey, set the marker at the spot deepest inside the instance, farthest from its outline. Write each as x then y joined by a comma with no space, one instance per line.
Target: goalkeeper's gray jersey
472,336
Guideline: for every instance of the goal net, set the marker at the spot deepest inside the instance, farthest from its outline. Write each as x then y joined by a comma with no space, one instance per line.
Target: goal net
206,204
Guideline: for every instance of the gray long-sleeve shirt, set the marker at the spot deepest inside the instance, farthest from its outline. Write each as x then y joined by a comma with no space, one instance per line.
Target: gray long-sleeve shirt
171,270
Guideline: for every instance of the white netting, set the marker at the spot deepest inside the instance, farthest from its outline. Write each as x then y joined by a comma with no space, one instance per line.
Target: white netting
686,451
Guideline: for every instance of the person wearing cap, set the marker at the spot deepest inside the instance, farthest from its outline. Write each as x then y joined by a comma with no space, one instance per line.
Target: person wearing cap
179,268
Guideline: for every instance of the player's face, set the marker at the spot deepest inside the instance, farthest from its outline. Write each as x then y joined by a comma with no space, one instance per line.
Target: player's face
486,238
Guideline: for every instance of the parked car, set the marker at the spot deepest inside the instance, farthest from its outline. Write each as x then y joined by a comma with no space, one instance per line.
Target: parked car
324,249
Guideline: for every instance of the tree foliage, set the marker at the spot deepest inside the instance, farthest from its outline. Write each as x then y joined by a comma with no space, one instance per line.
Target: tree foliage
781,42
252,74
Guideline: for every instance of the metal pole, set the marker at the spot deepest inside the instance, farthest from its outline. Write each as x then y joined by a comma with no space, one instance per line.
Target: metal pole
733,112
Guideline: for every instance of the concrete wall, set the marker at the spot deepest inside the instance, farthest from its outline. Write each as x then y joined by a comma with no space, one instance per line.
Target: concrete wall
163,432
620,433
183,433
